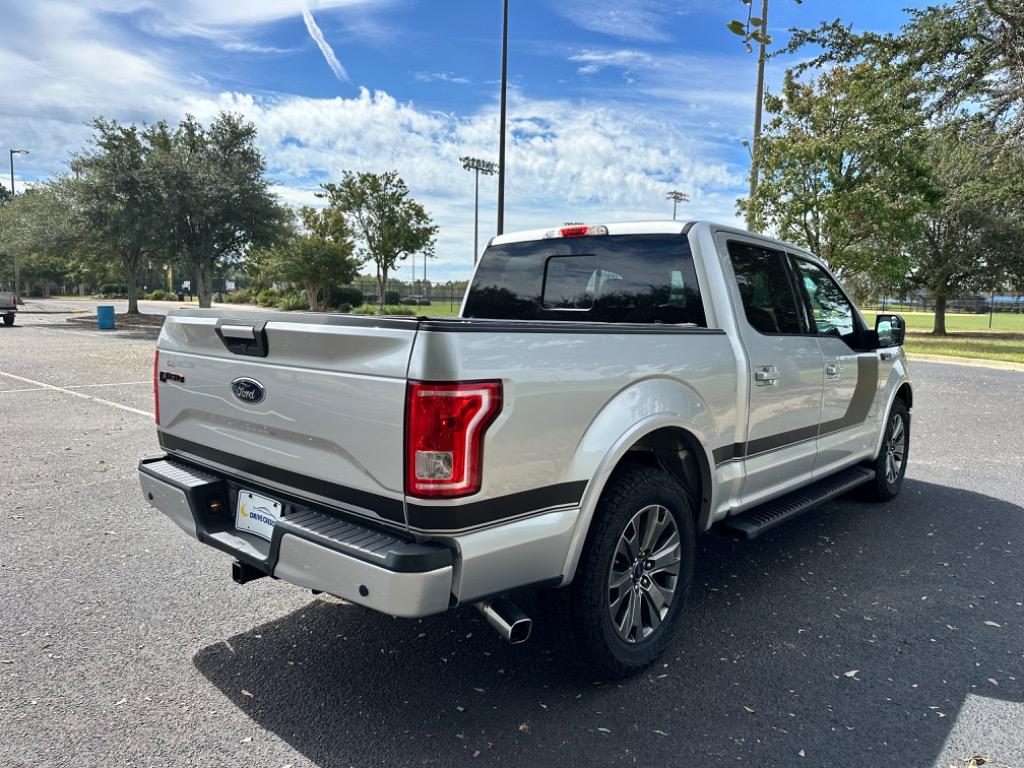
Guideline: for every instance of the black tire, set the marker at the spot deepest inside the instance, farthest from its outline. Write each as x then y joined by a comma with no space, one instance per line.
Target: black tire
585,604
8,320
886,485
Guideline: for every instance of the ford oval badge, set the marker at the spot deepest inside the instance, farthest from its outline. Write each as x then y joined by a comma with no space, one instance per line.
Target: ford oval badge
248,390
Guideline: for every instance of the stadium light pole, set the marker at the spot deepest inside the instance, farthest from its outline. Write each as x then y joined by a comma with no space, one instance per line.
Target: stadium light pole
676,197
501,137
487,168
17,258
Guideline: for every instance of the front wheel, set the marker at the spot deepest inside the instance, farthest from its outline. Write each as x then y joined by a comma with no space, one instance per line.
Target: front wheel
891,465
634,572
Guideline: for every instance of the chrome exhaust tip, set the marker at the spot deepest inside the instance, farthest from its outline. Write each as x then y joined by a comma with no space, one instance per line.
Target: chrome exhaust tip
507,618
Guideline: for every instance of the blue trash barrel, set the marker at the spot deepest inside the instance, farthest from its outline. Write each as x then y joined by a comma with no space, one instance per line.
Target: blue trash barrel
105,318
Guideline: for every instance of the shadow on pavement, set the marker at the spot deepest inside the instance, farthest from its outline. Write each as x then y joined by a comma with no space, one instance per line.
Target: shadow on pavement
762,670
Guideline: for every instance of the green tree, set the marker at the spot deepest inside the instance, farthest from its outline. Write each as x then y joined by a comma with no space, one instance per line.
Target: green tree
318,255
388,224
218,204
965,53
117,194
969,239
44,230
842,168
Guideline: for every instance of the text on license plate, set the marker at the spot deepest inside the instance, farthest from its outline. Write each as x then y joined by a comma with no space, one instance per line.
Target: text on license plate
257,514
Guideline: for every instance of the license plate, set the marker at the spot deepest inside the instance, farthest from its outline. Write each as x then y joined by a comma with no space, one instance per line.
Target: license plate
257,514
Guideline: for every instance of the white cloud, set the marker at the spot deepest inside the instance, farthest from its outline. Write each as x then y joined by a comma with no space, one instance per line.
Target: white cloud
323,45
594,61
446,77
566,160
630,19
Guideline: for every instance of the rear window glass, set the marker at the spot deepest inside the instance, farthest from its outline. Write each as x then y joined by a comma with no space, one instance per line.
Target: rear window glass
616,279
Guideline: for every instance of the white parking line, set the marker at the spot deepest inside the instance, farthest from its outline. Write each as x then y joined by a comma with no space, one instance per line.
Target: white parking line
44,385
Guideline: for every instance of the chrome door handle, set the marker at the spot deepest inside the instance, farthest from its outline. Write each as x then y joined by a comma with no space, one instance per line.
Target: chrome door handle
765,375
832,370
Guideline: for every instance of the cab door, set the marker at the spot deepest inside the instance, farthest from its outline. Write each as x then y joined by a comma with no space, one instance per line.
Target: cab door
849,426
785,370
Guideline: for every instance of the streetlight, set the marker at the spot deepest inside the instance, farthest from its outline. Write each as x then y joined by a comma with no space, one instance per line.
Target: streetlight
17,259
754,169
501,138
676,197
487,168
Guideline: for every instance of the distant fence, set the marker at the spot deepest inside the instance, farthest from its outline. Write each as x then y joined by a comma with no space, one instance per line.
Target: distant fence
967,305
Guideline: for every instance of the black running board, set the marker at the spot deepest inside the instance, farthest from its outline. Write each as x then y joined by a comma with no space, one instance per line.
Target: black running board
756,521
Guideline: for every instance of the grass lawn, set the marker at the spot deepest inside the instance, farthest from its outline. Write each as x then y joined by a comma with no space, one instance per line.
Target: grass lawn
924,321
968,335
1008,347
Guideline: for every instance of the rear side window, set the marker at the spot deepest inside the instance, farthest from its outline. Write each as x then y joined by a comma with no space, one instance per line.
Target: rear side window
610,279
766,291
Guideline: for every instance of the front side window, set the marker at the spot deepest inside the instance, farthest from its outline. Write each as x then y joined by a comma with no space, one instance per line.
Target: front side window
831,312
769,302
610,279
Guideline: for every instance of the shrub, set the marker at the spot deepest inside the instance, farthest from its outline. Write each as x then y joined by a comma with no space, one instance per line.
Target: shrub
344,308
160,295
373,309
113,289
345,295
267,298
392,297
241,296
292,302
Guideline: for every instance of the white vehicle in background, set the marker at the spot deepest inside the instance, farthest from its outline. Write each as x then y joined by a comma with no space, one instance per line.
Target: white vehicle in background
8,306
607,393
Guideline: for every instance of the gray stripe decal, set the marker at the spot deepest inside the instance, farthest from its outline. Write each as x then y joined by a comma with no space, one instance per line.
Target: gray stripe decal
856,413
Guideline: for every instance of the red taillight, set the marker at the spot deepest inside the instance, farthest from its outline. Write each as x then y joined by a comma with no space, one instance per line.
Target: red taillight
156,386
575,231
444,429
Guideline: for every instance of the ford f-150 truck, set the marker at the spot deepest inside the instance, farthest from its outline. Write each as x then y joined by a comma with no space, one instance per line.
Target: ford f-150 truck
606,393
8,306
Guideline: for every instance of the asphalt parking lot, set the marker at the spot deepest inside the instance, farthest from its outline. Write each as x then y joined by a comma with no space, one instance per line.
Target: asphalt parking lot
856,635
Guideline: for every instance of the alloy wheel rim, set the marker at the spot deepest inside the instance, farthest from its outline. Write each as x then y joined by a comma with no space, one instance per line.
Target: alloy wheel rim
896,448
644,573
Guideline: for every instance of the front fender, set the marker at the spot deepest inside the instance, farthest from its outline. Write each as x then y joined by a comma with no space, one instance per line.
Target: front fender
632,414
898,376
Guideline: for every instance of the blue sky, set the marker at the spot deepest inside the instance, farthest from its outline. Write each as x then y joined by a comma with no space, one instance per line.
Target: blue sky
612,102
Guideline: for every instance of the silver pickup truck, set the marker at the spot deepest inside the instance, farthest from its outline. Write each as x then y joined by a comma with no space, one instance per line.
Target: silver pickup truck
8,306
606,393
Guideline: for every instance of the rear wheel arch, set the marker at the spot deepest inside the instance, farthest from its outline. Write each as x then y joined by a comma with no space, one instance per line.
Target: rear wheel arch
674,449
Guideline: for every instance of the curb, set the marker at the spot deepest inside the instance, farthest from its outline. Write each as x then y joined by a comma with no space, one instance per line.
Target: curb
969,362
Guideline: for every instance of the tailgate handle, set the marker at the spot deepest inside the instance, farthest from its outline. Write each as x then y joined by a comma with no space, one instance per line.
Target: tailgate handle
242,338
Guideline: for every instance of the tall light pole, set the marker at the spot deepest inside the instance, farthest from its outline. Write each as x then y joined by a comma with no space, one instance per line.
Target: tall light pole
501,138
754,157
487,168
17,259
676,197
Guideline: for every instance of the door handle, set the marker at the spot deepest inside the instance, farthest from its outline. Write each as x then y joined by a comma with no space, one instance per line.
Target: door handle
832,370
766,375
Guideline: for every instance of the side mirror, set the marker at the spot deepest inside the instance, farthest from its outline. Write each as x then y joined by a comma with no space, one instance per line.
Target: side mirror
890,330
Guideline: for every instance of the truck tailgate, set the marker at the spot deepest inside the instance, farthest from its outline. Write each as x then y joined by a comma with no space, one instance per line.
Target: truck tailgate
321,417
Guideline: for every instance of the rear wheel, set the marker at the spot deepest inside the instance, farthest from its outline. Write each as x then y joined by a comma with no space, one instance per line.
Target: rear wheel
891,464
634,572
8,320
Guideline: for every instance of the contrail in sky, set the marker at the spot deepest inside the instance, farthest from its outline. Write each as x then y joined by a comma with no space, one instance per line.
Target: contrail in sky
323,45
